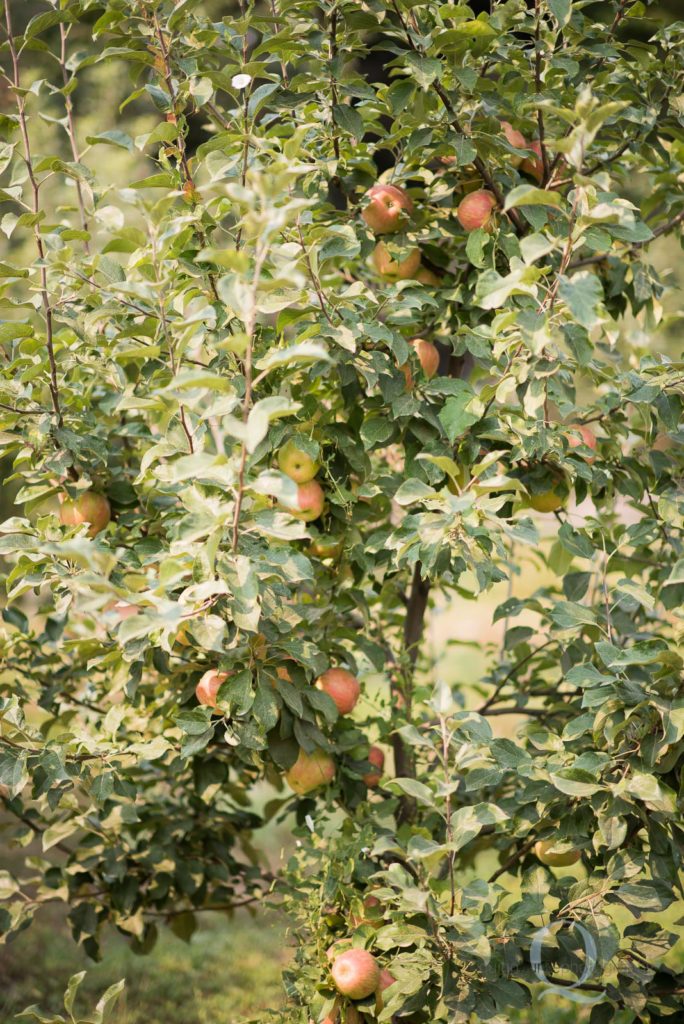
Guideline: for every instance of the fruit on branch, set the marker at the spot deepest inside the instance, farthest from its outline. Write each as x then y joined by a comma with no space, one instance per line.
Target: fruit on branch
534,166
557,860
428,355
182,638
355,973
578,434
295,463
372,913
427,276
89,507
514,138
387,208
475,210
547,487
209,686
123,610
377,758
310,771
310,502
342,687
395,270
326,547
385,980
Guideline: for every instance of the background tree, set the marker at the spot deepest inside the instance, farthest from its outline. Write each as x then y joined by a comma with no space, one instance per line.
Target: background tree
265,419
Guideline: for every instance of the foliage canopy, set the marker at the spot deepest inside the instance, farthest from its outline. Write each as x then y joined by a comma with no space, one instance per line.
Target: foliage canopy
172,321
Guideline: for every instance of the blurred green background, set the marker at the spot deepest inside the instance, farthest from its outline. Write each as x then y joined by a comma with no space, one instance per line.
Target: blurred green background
230,970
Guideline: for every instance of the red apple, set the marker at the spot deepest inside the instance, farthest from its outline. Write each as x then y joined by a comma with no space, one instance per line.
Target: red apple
355,973
535,168
310,502
123,610
296,464
209,685
89,507
372,915
394,270
386,979
342,687
578,434
388,206
376,757
428,355
475,209
310,771
558,860
513,136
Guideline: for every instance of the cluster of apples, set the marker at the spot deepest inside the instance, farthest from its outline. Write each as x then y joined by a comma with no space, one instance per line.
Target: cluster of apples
300,467
389,208
318,768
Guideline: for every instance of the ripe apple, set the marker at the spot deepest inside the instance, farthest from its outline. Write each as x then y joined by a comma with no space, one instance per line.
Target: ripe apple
475,210
295,463
376,757
428,355
556,860
372,913
395,270
208,687
310,771
513,136
534,167
387,208
578,434
427,276
386,979
342,687
355,973
123,610
89,507
310,502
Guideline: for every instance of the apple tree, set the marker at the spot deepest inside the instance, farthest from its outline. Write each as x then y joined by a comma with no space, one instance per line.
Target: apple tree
336,312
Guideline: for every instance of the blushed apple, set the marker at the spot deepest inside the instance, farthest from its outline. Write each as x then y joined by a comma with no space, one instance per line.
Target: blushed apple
89,507
295,463
579,434
427,276
310,771
326,546
387,208
377,758
310,502
355,973
475,209
342,687
395,270
516,139
428,355
534,167
209,686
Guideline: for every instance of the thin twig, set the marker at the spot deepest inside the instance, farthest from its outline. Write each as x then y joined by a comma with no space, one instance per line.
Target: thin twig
71,130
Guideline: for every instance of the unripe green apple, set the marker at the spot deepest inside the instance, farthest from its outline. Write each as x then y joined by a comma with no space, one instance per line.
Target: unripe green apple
295,463
326,547
475,210
342,687
556,860
356,973
89,507
310,771
388,206
310,502
547,501
395,270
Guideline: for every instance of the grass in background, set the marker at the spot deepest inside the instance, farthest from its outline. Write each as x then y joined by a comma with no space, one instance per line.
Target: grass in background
229,970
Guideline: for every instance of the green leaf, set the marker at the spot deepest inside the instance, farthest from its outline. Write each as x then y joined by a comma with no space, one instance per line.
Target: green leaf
568,615
460,411
349,119
528,195
583,294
